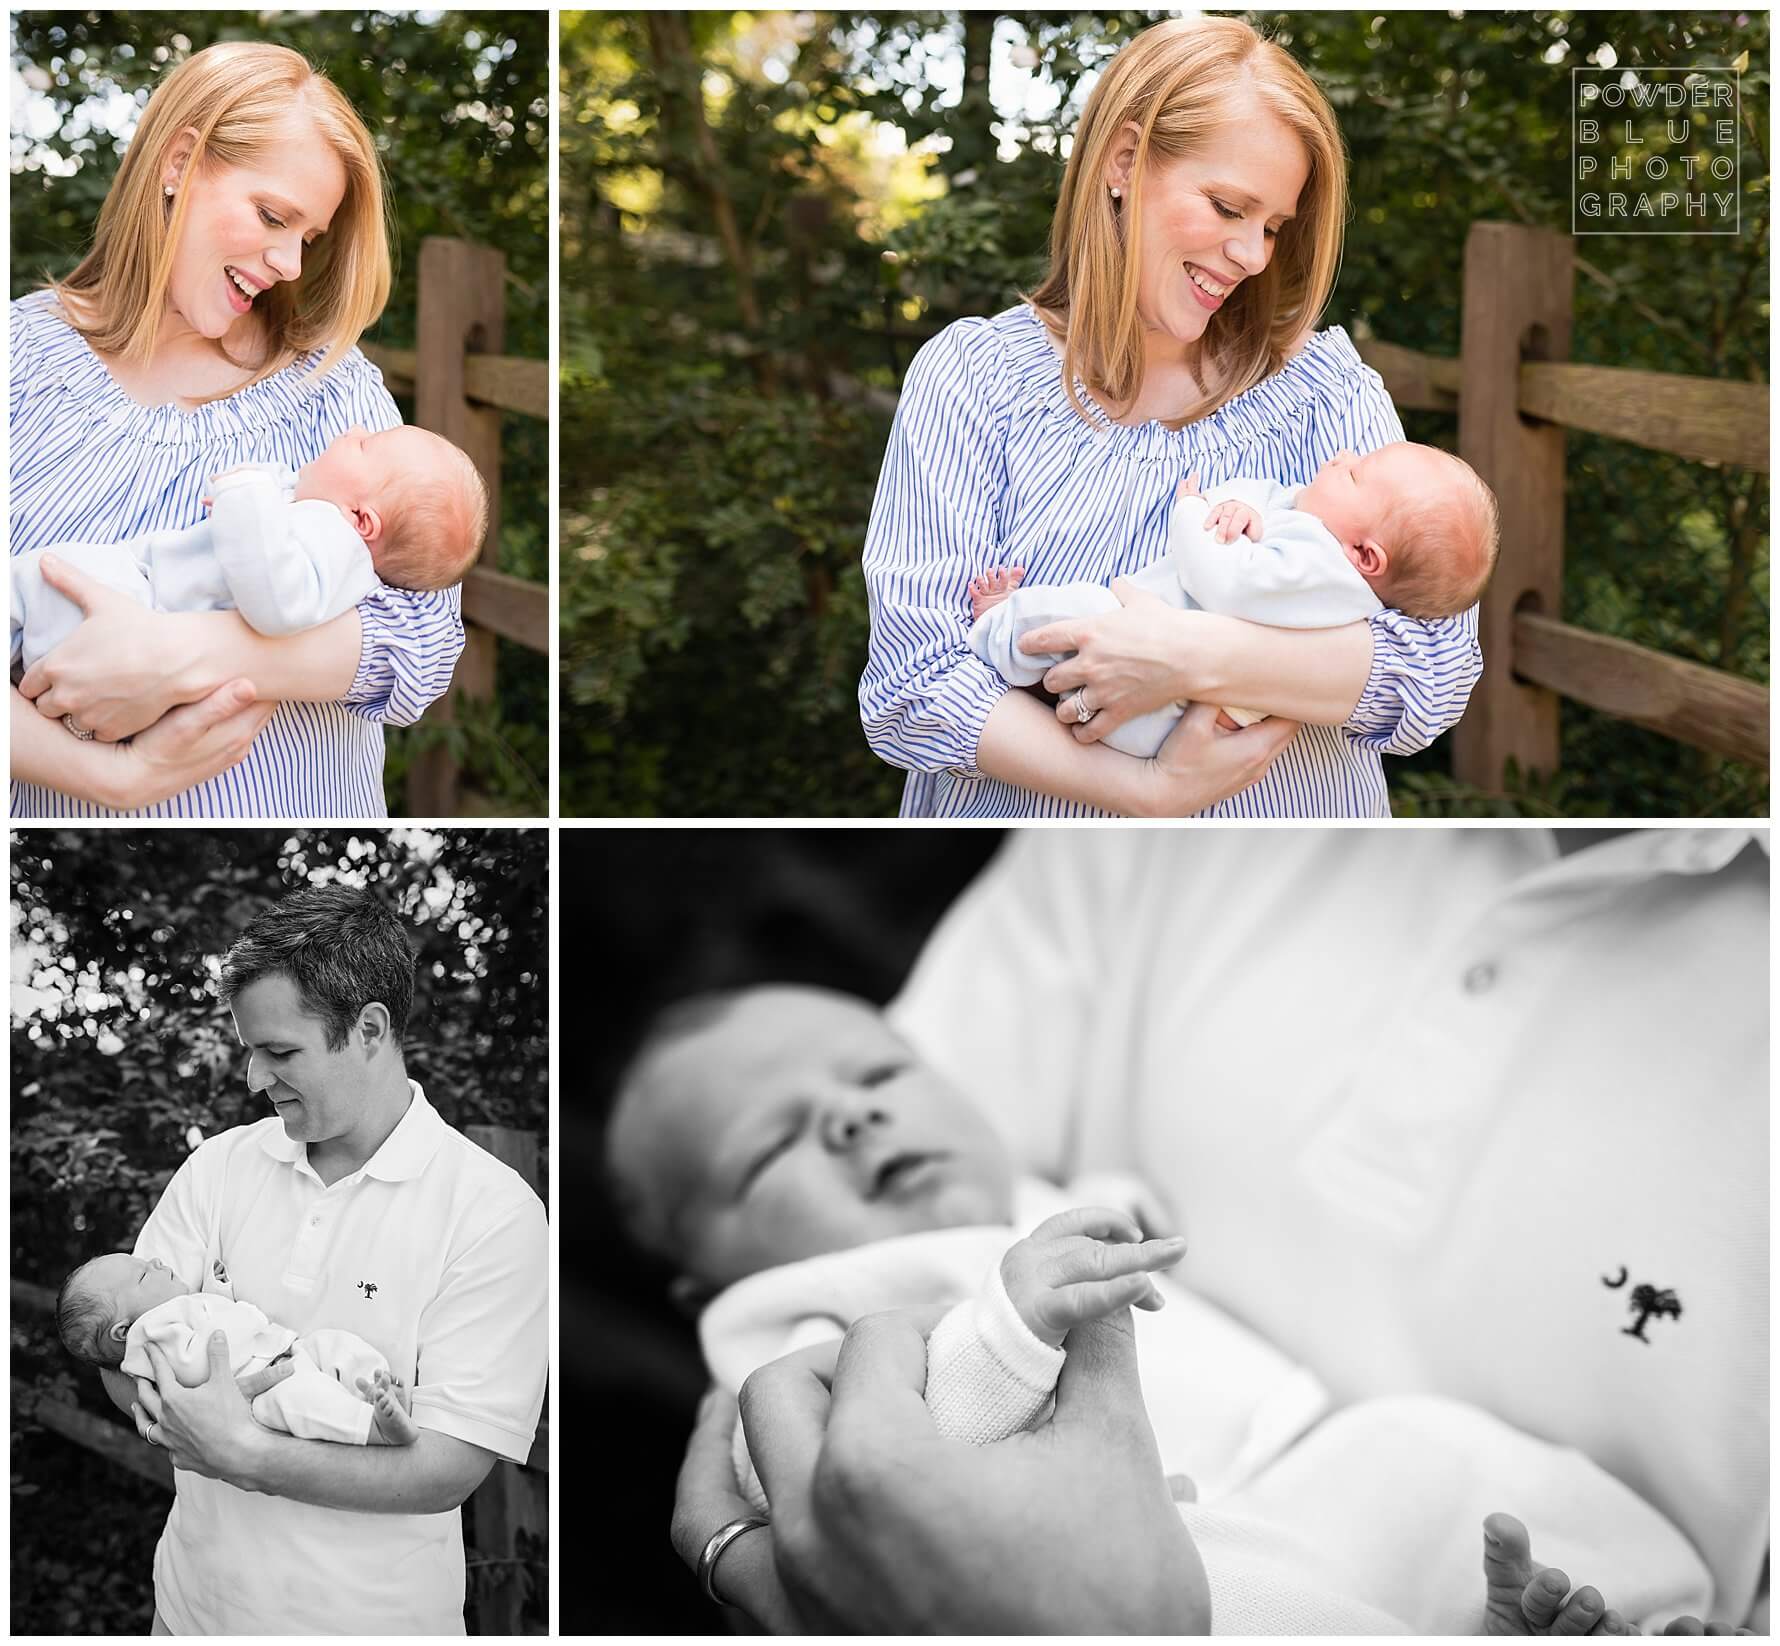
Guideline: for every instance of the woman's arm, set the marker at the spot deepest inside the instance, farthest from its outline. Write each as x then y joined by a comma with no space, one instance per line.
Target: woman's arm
188,746
124,668
936,523
1198,764
1147,654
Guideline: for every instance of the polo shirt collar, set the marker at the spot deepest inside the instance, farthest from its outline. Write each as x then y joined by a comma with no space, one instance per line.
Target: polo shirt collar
403,1155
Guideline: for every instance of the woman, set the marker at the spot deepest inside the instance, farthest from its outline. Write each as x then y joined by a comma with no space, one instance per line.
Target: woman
1195,241
241,251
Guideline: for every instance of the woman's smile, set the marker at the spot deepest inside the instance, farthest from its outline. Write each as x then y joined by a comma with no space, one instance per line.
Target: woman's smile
242,288
1207,288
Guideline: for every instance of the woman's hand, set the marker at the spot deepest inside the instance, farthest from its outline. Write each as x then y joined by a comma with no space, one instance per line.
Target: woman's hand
185,747
120,671
881,1525
1208,758
188,746
1130,661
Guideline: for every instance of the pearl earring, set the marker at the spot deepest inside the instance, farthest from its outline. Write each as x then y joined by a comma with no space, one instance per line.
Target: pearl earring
168,191
1115,194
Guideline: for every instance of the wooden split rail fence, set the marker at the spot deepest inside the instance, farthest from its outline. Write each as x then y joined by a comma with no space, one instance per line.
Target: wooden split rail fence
507,1512
461,383
1515,393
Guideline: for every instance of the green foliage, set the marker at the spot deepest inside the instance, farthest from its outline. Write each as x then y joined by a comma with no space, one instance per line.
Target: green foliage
126,1050
457,105
1449,119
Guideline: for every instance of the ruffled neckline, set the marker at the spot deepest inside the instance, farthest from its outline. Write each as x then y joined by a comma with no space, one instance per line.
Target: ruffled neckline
65,358
1258,414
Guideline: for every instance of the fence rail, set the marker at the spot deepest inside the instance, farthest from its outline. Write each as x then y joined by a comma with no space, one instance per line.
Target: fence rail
1515,395
462,383
510,1507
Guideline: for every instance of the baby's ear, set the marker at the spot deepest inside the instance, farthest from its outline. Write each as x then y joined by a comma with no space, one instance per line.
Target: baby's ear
368,523
1369,558
118,1330
688,1295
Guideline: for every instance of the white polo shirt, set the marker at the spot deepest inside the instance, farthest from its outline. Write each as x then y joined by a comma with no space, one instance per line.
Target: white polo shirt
1432,1107
435,1252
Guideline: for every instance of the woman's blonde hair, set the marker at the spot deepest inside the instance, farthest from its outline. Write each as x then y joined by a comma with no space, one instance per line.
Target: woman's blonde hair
237,97
1178,83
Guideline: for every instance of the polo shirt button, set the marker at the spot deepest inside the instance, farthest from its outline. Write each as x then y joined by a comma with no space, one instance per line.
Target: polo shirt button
313,1221
1480,978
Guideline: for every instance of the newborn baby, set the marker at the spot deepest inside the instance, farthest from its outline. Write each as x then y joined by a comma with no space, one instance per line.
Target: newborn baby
802,1167
1405,526
111,1308
288,551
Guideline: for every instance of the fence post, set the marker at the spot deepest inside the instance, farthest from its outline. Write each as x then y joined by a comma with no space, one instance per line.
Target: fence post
511,1500
462,310
1517,301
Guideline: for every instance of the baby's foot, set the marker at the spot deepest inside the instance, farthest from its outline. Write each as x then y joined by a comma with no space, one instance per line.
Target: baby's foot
1524,1598
994,587
390,1403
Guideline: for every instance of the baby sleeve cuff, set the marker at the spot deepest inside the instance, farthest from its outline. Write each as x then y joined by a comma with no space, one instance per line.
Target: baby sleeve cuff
988,1375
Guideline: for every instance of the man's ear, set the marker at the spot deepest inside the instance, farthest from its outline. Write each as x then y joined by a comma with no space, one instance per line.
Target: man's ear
1369,557
374,1025
689,1295
1121,158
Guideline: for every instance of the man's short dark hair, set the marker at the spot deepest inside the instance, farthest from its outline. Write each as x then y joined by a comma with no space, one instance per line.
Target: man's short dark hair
342,946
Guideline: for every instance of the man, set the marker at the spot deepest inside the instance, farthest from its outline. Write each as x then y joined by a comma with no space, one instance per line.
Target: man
354,1207
1434,1105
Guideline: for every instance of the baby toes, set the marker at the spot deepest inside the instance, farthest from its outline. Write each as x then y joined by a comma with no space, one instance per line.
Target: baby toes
1581,1612
1543,1600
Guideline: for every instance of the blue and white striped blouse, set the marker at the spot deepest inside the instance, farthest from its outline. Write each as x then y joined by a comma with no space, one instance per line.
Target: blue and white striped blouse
90,464
989,465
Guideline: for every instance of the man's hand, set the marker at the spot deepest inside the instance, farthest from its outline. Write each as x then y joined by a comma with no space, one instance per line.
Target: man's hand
208,1429
1082,1265
883,1526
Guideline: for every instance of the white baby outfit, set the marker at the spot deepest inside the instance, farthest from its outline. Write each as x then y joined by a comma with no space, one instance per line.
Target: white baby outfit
1222,1401
1296,577
1366,1522
284,565
318,1401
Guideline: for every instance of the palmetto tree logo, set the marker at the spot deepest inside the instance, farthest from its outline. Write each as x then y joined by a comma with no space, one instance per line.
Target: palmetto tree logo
1645,1302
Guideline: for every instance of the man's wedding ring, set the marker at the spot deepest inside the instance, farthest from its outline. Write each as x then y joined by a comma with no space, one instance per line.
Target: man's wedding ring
148,1434
1083,714
79,730
721,1540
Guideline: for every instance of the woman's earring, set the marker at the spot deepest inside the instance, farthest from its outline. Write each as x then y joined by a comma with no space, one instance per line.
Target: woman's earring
1115,194
168,191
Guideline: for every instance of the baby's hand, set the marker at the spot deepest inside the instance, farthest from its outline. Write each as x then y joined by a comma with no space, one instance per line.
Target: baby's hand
1189,487
1230,519
1081,1265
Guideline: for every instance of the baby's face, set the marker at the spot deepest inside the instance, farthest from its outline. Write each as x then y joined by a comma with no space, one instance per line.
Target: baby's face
131,1286
1355,496
796,1123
